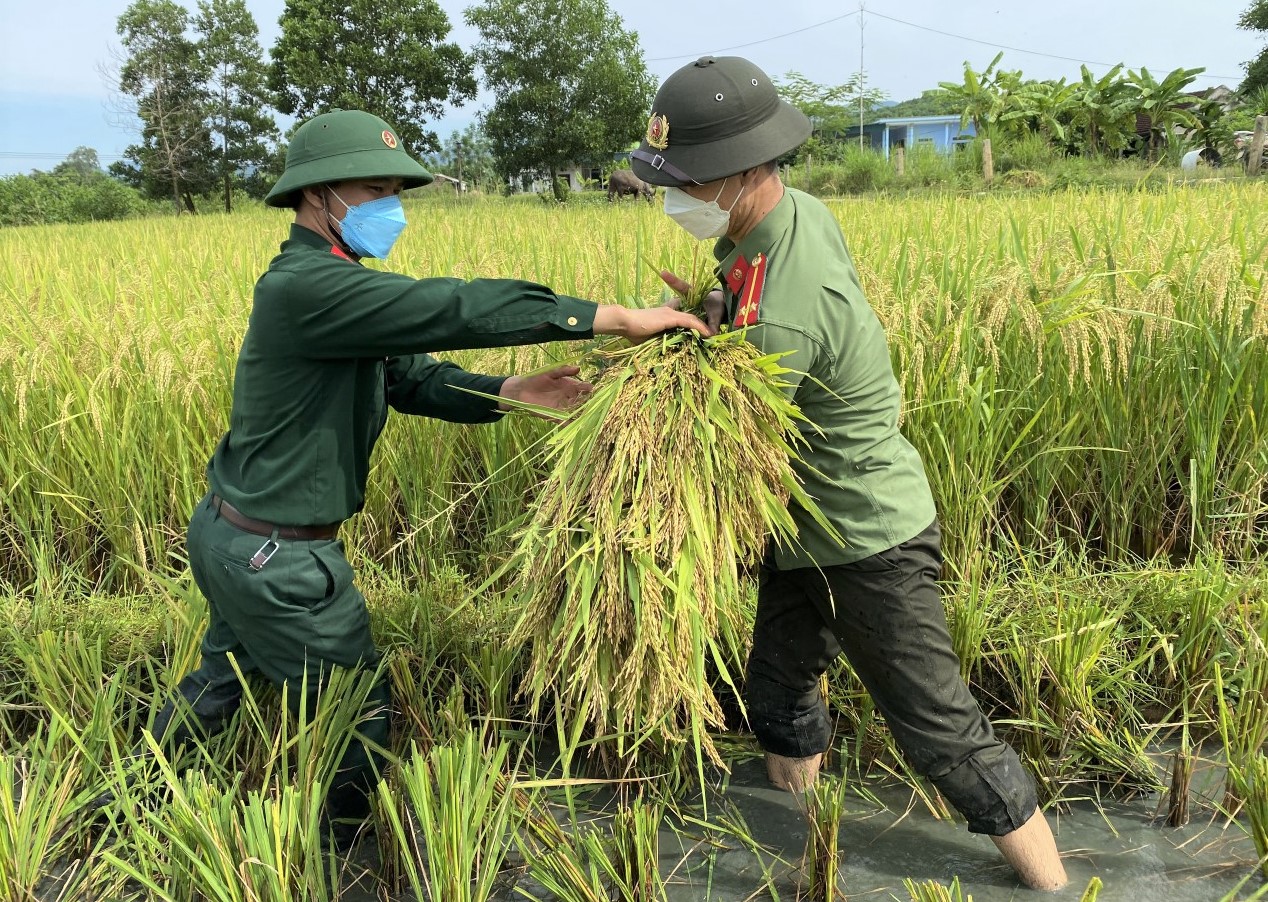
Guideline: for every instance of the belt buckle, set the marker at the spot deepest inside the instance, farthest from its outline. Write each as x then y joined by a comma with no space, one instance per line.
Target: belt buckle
263,556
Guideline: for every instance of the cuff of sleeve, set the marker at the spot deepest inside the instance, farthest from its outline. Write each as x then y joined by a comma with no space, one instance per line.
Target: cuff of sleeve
576,315
490,385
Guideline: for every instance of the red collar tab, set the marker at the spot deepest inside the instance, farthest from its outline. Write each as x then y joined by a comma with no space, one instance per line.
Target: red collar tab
737,274
338,252
750,299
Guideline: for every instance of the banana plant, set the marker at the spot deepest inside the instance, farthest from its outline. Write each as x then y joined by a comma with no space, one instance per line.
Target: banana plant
1164,103
1105,109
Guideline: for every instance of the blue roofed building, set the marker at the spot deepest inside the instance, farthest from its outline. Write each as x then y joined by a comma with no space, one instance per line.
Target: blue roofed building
942,133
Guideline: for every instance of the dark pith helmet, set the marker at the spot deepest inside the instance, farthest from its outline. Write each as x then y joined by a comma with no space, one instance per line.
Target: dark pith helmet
344,144
714,118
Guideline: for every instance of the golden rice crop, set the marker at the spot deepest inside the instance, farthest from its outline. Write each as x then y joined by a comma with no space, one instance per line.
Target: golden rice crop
660,492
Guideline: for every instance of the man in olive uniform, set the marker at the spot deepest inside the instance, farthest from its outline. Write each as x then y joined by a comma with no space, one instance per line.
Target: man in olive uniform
330,346
871,591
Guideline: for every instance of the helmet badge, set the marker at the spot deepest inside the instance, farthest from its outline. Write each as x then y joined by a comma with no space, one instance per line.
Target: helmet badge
389,139
658,131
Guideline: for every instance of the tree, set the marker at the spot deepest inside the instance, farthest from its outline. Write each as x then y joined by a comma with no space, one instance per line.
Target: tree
81,165
387,58
934,102
568,80
467,156
1255,18
164,75
831,109
975,96
237,87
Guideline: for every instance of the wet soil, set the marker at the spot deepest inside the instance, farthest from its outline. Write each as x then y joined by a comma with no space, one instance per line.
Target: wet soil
1124,843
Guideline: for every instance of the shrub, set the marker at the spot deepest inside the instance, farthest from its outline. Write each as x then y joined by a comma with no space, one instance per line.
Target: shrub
855,172
1031,152
102,199
43,197
926,167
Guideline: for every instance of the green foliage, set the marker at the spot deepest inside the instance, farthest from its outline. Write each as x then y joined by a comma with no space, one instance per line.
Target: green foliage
1105,110
388,59
979,95
568,80
467,155
934,102
166,78
1255,18
831,109
65,196
1164,104
1095,114
1029,152
237,93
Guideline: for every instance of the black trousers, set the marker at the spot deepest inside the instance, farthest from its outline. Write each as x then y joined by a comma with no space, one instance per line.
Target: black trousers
885,613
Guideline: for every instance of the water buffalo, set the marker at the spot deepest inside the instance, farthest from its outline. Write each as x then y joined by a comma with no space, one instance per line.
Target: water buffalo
622,182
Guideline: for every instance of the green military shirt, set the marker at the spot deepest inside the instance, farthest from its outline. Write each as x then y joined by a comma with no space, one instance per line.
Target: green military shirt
867,479
330,344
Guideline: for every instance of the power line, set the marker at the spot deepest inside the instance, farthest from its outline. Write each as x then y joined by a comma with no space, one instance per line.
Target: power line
18,155
1069,59
663,59
947,34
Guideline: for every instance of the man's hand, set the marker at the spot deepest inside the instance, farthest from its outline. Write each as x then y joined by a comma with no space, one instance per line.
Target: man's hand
714,303
556,389
640,325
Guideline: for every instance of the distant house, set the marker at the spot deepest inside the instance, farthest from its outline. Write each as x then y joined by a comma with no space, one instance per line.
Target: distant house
447,183
577,176
1225,96
942,133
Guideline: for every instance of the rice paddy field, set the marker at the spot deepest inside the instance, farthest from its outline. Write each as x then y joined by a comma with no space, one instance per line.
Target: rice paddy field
1086,377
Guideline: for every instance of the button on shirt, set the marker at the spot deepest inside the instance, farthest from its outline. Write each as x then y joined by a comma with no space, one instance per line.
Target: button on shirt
331,344
867,479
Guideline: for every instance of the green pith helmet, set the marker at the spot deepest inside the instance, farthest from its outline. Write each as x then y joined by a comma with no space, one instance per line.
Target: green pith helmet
344,144
713,118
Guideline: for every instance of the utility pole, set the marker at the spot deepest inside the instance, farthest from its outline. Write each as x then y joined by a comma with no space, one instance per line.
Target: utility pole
862,78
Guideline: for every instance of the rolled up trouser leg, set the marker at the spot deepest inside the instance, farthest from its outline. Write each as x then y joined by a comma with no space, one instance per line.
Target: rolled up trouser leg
786,722
991,790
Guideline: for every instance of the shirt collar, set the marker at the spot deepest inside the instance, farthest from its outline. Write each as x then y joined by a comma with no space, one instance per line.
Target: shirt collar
307,237
758,241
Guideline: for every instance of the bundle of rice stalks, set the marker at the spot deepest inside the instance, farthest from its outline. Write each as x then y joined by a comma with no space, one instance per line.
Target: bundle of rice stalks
661,491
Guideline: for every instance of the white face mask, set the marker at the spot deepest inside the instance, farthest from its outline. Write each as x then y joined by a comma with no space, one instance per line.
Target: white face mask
702,219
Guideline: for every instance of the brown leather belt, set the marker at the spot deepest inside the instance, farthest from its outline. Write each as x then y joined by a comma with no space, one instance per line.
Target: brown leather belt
260,528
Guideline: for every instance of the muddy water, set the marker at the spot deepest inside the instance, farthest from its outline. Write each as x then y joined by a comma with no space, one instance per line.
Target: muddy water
1126,844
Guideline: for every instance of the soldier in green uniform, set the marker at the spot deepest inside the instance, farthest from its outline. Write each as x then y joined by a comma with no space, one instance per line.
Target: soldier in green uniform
330,347
785,275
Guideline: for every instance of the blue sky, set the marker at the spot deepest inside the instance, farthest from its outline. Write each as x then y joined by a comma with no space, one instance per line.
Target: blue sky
55,94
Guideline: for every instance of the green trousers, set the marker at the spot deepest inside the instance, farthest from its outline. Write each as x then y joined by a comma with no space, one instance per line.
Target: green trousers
289,621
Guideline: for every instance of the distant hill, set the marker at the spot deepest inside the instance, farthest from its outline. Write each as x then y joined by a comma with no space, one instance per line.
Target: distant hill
934,102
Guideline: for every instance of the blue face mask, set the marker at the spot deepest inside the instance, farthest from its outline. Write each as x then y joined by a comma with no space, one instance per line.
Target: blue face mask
371,228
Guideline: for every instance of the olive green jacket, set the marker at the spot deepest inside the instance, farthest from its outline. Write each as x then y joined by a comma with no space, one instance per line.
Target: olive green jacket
868,480
331,345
